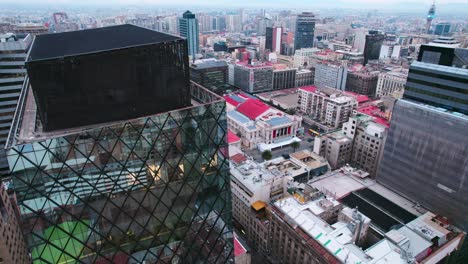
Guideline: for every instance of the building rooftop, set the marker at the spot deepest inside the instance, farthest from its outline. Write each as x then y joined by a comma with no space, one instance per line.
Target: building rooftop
238,117
311,88
302,71
253,108
306,217
232,138
453,71
286,167
14,45
309,159
208,63
374,111
404,243
340,183
359,97
239,248
238,158
277,120
94,40
286,97
254,65
27,127
252,175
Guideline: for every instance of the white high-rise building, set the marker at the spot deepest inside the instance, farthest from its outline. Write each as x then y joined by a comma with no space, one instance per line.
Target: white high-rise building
233,23
360,39
205,22
330,108
188,28
302,57
330,75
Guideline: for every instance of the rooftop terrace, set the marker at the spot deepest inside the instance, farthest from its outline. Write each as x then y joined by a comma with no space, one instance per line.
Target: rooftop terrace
27,127
95,40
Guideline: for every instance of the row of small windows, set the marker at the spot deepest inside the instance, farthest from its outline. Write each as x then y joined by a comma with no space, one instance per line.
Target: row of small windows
440,86
438,76
433,94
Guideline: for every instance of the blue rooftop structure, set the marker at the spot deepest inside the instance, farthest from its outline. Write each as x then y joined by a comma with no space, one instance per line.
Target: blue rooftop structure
277,121
238,117
237,98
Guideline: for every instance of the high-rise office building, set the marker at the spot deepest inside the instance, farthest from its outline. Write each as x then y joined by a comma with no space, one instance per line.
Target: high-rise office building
262,24
210,73
305,28
219,23
13,49
233,23
253,78
148,188
373,45
430,17
206,22
305,77
284,78
362,82
425,159
439,78
442,29
273,39
330,75
330,108
85,85
425,156
188,28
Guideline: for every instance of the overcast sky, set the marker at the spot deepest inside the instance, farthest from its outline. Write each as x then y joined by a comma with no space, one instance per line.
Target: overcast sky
362,4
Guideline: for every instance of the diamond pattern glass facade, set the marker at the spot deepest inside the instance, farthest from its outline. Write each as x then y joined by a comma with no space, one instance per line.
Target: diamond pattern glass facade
152,189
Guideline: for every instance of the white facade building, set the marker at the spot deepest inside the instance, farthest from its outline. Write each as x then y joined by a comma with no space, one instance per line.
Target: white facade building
391,83
330,75
303,57
259,125
329,107
368,141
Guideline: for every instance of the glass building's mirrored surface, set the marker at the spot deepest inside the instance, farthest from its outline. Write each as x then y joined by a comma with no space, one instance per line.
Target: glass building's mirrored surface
152,189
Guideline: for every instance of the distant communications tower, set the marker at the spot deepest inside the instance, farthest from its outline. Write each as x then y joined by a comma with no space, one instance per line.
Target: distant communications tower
430,17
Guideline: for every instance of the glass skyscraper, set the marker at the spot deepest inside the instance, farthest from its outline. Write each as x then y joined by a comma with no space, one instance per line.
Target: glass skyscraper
188,28
374,41
154,188
305,31
426,155
151,189
13,49
439,78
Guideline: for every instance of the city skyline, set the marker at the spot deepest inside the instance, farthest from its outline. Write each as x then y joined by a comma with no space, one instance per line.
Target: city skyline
357,4
150,131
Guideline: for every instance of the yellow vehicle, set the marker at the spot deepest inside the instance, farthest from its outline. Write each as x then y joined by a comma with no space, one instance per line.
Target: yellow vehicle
313,132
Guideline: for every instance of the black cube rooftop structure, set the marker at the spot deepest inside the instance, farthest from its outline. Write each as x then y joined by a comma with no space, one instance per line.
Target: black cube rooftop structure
107,74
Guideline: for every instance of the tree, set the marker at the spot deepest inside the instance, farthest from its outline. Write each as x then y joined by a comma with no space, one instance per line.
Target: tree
295,145
266,155
291,111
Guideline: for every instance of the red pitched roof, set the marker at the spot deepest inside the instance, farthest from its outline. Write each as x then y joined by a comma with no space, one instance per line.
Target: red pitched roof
238,158
252,108
232,138
238,248
359,97
311,88
375,112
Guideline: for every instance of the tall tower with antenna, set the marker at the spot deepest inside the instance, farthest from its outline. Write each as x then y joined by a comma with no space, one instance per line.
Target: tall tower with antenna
430,17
